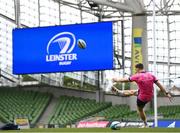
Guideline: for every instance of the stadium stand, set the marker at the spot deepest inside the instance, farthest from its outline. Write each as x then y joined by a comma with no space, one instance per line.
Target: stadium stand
72,109
116,112
122,112
170,112
15,103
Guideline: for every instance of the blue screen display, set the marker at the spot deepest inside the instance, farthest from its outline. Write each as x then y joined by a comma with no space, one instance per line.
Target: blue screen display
78,47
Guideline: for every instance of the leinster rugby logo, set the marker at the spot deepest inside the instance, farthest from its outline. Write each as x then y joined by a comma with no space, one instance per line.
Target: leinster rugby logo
60,48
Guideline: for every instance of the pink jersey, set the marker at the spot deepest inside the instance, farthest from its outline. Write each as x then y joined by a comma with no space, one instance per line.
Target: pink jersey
145,81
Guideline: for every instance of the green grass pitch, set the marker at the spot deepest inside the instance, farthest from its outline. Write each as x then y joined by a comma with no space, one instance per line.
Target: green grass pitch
102,130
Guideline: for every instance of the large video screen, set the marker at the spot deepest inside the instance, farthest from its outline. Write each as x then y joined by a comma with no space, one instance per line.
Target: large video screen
67,48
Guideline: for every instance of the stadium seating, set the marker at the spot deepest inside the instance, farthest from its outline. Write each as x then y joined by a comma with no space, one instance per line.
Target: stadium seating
122,112
18,103
170,112
71,109
116,112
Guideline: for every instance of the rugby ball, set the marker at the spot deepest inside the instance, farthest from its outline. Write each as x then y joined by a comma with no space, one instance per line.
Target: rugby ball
115,125
81,43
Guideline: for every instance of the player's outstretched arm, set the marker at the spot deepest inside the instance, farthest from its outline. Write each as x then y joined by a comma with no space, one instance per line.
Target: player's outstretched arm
163,90
120,80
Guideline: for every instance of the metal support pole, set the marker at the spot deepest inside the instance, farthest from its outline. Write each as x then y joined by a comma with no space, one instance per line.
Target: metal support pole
155,58
99,72
59,12
61,75
81,16
169,51
39,15
123,48
100,19
123,52
18,24
17,13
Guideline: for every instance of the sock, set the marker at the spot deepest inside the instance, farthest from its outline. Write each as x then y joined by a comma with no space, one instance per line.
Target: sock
145,123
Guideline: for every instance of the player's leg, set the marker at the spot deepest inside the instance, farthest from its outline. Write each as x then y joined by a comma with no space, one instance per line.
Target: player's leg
119,92
125,92
142,115
115,90
140,108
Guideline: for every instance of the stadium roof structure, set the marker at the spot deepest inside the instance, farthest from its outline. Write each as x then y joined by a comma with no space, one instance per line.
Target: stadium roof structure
137,7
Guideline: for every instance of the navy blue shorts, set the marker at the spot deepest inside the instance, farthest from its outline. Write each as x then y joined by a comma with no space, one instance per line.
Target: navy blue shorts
140,103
